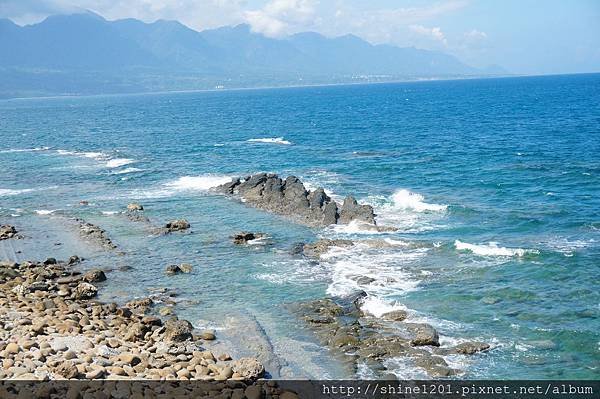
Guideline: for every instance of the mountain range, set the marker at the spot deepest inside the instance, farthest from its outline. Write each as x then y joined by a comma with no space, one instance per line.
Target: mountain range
86,54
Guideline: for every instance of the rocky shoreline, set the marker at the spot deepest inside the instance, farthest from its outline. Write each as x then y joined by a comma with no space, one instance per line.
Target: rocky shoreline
52,328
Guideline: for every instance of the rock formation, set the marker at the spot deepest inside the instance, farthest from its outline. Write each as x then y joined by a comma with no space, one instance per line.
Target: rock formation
290,197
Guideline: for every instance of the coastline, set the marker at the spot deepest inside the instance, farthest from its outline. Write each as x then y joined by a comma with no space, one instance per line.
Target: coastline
282,87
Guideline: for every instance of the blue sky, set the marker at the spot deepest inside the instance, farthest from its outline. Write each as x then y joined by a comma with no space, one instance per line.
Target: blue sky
523,36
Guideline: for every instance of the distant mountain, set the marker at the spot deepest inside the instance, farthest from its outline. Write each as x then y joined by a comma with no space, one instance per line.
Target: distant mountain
84,53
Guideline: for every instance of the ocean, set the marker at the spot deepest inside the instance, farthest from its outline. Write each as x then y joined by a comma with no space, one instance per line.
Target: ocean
494,186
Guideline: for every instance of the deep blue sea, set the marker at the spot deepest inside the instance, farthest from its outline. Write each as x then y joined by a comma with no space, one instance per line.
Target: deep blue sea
494,185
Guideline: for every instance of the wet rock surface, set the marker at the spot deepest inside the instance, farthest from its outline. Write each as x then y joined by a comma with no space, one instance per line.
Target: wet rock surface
341,325
244,237
289,197
95,234
177,225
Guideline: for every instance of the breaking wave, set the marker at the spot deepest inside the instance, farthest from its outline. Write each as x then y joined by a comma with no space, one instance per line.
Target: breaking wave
271,140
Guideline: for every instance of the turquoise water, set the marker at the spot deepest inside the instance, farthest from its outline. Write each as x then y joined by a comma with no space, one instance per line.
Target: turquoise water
455,165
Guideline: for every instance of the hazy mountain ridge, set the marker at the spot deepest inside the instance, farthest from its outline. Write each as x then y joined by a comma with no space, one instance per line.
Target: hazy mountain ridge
131,55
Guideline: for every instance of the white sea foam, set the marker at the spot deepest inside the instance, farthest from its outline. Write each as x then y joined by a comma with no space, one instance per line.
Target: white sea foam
491,249
127,170
118,162
297,271
45,211
85,154
404,199
184,184
13,150
355,227
110,213
271,140
94,155
5,192
407,211
198,183
387,269
378,307
567,246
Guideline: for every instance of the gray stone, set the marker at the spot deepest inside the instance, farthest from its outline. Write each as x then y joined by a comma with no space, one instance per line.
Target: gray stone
178,330
424,335
94,276
290,197
248,368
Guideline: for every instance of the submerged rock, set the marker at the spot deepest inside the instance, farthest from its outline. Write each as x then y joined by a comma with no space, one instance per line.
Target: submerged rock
95,234
185,268
172,269
177,225
7,231
244,236
134,206
318,248
290,197
470,348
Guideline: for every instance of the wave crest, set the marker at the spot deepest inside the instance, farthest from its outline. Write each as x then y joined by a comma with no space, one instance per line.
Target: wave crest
202,183
491,249
405,199
271,140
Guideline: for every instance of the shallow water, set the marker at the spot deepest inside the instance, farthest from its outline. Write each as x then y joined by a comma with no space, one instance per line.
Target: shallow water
493,184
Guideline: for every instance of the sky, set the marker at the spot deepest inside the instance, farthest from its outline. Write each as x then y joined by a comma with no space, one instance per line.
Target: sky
522,36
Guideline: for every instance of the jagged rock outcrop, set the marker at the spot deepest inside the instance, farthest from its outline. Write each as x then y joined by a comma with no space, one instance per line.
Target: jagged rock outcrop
290,197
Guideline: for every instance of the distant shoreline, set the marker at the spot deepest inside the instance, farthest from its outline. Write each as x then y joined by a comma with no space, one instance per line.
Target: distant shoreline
296,86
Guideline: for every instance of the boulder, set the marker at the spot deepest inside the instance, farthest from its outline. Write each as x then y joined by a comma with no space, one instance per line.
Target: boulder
172,270
352,211
395,315
67,370
94,276
134,206
248,368
424,335
318,248
185,268
177,225
244,236
140,304
73,260
177,330
470,348
7,231
85,291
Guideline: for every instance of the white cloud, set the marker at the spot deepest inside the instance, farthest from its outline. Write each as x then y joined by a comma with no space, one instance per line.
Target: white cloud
475,34
280,17
432,33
